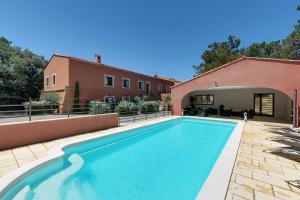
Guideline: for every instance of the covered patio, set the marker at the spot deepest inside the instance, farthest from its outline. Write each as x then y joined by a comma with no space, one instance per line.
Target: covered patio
233,101
267,89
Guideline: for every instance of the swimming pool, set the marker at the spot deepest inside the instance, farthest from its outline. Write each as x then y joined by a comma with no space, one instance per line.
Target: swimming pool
167,160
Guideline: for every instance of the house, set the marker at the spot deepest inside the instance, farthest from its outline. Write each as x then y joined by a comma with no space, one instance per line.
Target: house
98,81
269,88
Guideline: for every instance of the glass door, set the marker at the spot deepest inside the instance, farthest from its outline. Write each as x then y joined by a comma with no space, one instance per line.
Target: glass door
264,104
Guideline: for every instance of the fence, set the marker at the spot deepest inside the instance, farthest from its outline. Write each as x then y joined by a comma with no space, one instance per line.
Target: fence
14,109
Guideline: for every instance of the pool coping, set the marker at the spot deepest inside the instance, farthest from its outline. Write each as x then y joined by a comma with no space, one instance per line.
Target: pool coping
215,186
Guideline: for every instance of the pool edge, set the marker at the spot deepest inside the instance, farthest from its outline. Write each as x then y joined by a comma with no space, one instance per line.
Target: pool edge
217,183
215,186
57,152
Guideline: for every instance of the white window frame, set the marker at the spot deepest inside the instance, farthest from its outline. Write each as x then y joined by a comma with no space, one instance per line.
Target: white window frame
113,80
128,83
47,81
143,85
124,98
148,82
114,99
53,75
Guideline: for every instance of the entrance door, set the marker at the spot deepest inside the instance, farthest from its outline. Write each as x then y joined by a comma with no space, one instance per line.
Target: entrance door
264,104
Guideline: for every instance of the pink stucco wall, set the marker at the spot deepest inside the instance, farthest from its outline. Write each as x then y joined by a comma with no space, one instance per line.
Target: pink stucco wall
24,133
282,75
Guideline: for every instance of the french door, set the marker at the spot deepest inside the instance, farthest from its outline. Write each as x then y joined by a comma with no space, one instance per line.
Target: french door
264,104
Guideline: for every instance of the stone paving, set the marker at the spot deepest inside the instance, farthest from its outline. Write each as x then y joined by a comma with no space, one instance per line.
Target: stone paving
260,175
256,175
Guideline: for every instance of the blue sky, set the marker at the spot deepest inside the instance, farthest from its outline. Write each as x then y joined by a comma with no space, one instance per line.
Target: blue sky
165,37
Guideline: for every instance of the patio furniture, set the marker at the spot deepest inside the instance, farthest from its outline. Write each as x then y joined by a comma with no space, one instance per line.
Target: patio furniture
225,112
203,112
295,183
212,111
190,111
237,113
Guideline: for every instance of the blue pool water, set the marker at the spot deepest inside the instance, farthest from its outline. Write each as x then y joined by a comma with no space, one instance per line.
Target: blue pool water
168,160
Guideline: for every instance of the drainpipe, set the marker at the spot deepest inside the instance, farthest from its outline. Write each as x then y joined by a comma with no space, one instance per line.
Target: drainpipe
295,114
68,100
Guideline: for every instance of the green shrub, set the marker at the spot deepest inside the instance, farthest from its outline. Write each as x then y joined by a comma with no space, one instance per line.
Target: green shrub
98,107
167,102
38,107
50,97
149,106
127,108
76,106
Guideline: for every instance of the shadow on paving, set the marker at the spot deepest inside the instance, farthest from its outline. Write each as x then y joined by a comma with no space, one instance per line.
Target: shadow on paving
291,150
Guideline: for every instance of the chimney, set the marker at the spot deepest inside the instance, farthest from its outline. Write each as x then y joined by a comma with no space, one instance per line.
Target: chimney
98,58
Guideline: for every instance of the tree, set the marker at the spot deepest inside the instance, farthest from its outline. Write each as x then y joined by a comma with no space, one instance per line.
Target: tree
76,106
167,101
21,71
292,43
219,53
272,49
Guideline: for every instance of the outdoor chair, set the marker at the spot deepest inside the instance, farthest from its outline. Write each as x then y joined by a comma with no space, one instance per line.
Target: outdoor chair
295,183
212,111
225,112
203,112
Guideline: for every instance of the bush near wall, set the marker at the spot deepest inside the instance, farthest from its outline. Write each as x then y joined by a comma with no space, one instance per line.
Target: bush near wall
98,107
150,106
48,104
127,108
50,97
38,107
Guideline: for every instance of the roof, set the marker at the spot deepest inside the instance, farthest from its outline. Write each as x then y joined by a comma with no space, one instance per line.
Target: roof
108,66
167,79
239,60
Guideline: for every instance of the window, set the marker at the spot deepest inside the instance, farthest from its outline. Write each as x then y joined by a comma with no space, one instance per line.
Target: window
159,88
141,85
148,87
125,98
110,100
167,88
205,99
53,79
47,81
126,83
264,104
108,81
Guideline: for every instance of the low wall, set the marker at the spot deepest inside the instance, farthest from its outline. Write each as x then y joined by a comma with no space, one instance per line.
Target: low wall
24,133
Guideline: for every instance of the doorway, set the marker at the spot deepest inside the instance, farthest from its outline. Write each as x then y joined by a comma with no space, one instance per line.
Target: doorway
264,104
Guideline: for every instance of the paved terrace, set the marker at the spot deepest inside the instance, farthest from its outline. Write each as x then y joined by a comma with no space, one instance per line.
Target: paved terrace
260,175
257,175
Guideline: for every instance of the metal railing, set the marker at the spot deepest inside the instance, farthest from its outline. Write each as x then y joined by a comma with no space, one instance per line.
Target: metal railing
30,110
142,115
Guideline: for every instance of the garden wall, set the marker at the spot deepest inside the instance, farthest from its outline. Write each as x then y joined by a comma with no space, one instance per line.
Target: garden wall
24,133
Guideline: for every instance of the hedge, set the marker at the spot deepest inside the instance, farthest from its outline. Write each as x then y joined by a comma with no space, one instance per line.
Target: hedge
39,107
98,107
150,106
127,108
